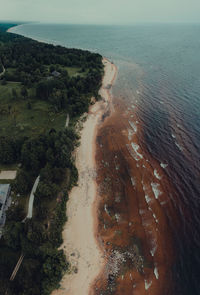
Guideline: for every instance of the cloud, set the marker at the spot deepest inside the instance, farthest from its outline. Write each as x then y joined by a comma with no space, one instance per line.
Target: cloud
104,11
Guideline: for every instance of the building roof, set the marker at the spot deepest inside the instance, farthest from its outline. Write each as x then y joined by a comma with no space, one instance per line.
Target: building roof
55,73
4,192
4,189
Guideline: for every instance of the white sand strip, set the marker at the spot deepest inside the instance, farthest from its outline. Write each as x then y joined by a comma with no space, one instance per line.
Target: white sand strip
80,244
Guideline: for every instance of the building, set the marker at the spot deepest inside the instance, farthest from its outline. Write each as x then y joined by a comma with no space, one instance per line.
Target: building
55,74
4,204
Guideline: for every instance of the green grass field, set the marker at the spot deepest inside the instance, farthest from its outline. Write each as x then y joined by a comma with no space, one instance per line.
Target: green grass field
73,72
32,117
17,117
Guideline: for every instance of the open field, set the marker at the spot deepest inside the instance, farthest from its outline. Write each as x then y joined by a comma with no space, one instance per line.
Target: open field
26,118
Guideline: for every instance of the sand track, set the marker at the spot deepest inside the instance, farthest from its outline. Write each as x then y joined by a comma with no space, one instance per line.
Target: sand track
79,234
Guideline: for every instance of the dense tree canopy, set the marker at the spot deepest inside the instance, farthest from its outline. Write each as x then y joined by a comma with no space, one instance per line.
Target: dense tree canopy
41,73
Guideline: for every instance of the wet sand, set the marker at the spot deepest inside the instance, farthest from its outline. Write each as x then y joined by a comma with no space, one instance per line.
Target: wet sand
80,244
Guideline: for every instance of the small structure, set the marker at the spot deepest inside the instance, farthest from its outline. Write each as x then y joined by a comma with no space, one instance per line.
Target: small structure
8,174
55,74
4,204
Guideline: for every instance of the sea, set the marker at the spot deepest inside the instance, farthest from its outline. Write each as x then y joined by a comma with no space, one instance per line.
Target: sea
158,82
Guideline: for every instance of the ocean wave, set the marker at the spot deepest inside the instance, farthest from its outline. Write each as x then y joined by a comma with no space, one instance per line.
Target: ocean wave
106,209
148,199
133,181
135,148
147,284
142,211
130,134
154,216
156,174
179,146
153,250
163,165
134,127
156,272
117,217
155,189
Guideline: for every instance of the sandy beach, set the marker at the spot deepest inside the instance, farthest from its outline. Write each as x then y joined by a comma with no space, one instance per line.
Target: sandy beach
80,244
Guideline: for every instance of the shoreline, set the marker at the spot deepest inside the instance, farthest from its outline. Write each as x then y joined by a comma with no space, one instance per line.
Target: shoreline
11,28
80,241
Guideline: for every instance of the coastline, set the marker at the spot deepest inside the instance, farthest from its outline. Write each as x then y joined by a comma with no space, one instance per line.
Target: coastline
80,232
11,28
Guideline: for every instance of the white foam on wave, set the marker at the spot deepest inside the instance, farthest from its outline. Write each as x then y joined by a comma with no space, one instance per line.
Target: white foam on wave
153,247
163,203
153,251
173,135
156,174
148,200
133,181
117,216
179,146
133,126
154,216
163,165
138,92
156,272
133,106
141,211
155,189
135,148
106,209
130,134
147,284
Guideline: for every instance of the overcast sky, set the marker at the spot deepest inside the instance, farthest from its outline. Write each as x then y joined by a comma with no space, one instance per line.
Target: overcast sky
101,11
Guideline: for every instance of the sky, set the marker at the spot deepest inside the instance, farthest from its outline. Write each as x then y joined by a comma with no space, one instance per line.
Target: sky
100,11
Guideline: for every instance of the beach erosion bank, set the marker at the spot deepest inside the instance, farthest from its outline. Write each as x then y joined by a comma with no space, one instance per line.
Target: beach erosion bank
80,232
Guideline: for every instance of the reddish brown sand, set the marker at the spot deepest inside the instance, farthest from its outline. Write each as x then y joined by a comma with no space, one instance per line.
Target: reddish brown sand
133,226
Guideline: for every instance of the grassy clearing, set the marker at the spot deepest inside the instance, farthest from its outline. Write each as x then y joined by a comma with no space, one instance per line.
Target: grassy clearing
8,167
72,71
26,118
5,181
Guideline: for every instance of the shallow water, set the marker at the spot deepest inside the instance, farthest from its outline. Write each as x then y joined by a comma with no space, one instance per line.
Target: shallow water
157,100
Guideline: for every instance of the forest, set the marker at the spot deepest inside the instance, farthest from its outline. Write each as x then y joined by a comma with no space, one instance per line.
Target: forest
42,84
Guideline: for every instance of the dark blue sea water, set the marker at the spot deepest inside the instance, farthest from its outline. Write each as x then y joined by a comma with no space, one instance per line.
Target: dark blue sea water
159,74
